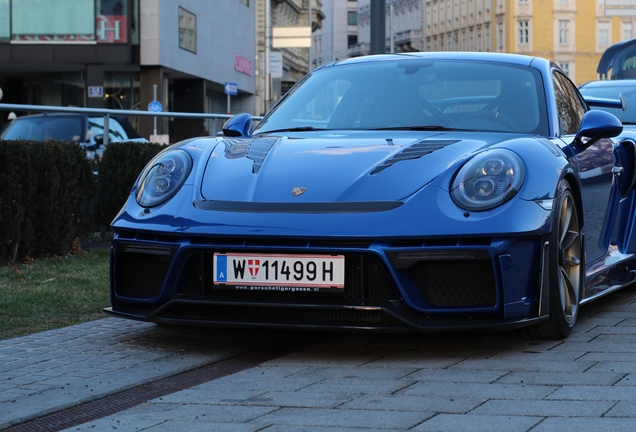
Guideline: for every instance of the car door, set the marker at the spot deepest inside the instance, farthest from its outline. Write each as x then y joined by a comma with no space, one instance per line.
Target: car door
595,163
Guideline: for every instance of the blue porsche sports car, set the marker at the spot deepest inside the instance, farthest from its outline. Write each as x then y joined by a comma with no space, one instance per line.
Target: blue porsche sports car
420,191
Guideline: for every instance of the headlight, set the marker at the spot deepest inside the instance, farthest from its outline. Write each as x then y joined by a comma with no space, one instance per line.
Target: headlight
163,177
488,180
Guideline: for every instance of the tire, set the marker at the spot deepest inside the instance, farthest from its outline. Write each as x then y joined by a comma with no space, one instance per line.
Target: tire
566,266
566,272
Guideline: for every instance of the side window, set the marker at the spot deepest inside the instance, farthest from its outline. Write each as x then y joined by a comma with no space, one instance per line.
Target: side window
115,129
569,104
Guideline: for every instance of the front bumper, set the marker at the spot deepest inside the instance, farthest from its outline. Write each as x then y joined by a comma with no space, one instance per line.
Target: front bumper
428,285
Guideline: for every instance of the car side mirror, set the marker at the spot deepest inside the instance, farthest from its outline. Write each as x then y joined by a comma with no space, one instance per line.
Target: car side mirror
238,126
597,125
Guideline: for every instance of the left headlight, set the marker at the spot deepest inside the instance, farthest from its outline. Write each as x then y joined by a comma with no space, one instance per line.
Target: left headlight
488,180
162,177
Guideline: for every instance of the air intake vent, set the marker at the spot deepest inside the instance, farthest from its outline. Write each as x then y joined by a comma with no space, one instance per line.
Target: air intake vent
414,151
258,151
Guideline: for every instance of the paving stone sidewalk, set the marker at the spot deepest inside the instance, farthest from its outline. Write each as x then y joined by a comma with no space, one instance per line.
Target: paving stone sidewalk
352,382
45,372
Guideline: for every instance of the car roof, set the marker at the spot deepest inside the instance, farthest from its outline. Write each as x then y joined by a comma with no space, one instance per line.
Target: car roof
609,83
475,56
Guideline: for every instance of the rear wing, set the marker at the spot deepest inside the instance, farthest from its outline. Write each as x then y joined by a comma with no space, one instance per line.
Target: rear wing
606,102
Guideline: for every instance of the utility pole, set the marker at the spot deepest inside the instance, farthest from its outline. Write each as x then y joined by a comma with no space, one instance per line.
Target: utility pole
378,26
311,38
268,41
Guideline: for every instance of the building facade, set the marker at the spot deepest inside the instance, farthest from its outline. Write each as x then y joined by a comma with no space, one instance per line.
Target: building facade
295,61
123,54
339,31
572,33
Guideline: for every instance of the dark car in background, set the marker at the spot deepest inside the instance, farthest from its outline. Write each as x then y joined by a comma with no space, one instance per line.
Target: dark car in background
87,130
614,89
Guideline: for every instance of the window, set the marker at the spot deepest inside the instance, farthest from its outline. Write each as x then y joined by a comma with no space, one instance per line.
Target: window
60,21
500,35
479,42
626,30
352,18
602,33
524,32
5,20
564,32
569,104
566,67
352,40
487,37
187,30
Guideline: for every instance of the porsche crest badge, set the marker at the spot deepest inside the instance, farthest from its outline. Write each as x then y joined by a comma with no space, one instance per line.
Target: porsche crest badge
298,191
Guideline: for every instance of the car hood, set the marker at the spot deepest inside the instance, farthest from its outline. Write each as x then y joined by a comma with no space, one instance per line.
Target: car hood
320,167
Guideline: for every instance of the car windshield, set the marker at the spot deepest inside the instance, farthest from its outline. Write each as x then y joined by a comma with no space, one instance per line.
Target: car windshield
115,130
45,128
417,94
613,92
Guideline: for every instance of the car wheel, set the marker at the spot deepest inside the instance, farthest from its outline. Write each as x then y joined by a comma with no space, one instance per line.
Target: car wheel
566,268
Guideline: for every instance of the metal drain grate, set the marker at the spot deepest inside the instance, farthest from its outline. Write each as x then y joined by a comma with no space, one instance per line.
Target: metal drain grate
136,396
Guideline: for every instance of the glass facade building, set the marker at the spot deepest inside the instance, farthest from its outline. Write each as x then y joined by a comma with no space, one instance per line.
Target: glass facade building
124,54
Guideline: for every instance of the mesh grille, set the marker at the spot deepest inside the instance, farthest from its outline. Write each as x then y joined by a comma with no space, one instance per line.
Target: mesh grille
282,315
140,275
456,283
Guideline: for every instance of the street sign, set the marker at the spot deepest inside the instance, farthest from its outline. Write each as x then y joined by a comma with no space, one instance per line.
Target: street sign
286,37
155,106
95,91
231,88
276,64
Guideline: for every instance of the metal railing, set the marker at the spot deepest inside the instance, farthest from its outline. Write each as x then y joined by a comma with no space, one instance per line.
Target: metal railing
108,112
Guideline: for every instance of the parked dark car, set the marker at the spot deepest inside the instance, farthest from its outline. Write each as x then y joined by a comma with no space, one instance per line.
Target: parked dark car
84,129
614,89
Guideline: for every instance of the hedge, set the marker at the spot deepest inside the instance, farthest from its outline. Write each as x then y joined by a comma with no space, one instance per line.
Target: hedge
118,170
50,196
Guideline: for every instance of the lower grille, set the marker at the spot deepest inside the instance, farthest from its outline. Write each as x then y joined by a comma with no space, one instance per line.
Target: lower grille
140,275
456,283
255,314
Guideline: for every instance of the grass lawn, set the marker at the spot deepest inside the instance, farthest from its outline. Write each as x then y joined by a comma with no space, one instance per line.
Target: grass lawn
52,293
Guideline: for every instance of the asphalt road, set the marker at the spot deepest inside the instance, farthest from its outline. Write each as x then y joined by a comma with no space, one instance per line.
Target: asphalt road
117,374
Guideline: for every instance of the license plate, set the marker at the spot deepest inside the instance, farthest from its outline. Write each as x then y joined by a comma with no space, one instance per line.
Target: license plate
279,272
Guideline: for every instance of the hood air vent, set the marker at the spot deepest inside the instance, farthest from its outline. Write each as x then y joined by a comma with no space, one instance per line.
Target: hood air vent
414,151
258,150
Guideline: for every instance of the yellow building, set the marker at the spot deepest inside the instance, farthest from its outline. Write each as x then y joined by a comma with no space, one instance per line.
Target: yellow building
572,33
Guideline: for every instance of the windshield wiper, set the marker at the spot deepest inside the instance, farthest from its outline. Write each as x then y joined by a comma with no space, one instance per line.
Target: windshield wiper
422,128
295,129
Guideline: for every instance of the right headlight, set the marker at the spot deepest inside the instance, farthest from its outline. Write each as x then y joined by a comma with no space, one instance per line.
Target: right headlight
163,177
488,180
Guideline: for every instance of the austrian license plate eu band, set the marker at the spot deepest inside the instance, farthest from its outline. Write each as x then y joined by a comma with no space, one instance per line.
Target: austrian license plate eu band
279,272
